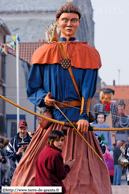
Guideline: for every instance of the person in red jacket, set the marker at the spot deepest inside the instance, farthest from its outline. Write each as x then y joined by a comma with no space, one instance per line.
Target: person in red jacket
50,169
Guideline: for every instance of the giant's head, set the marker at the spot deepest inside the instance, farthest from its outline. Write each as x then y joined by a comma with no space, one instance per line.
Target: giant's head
68,20
106,95
121,107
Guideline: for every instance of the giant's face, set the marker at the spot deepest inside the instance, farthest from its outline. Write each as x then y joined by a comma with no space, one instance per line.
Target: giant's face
106,98
68,24
121,109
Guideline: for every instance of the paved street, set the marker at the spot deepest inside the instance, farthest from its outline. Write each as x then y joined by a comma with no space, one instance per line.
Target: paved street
122,189
123,180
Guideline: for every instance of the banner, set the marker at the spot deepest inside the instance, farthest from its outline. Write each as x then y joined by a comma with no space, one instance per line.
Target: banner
11,46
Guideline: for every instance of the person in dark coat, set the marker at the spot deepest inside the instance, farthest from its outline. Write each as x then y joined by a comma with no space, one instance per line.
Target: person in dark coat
2,159
118,171
50,170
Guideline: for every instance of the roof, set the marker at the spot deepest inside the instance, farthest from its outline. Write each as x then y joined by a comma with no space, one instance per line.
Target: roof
26,50
4,28
97,91
121,92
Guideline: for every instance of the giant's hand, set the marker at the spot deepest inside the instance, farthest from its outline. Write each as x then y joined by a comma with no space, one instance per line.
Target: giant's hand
48,100
83,126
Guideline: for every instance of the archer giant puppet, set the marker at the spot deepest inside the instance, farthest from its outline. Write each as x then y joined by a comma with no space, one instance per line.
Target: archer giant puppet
108,108
65,73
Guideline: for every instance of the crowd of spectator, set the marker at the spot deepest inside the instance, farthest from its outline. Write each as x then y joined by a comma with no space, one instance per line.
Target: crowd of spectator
12,151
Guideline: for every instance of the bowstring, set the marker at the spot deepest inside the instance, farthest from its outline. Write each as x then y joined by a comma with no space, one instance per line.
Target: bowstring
63,104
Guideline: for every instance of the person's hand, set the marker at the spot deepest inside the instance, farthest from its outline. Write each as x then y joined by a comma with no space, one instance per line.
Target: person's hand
83,126
48,100
70,162
21,149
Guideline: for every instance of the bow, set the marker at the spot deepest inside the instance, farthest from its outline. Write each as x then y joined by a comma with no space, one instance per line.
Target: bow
67,124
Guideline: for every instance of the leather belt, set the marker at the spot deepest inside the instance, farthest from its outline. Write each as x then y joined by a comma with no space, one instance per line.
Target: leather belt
66,104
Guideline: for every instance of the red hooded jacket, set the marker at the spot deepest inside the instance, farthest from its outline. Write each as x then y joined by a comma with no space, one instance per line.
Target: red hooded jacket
50,170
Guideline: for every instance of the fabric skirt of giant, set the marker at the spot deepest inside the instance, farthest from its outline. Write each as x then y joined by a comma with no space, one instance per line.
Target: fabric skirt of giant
89,175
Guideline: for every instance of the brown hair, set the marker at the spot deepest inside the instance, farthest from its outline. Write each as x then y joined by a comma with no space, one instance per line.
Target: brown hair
54,135
68,8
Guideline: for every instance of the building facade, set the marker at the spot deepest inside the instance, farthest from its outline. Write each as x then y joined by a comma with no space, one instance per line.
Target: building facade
29,20
4,31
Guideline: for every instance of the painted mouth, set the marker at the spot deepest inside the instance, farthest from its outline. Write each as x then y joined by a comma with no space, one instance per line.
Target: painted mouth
69,29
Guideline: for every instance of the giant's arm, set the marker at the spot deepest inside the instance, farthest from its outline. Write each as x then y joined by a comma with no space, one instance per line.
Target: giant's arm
35,90
88,91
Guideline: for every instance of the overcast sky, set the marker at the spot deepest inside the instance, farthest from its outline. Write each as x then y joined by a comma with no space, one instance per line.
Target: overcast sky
111,19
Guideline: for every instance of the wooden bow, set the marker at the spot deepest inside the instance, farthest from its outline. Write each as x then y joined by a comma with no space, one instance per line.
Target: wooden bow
67,124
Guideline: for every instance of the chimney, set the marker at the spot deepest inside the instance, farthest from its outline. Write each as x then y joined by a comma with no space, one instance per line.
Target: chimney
43,40
38,41
113,82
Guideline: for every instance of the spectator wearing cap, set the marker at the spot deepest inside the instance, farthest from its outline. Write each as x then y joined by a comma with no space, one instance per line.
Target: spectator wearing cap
123,119
14,150
106,106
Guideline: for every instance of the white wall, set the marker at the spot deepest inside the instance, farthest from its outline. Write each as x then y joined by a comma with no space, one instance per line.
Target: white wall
11,90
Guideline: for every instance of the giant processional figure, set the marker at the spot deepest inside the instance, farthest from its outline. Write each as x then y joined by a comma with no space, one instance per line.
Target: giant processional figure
63,79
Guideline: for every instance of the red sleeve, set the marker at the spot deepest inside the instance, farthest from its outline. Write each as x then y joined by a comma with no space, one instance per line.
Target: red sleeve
61,169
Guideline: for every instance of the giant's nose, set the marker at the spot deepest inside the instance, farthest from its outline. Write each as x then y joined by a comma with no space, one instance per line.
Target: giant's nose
69,23
106,96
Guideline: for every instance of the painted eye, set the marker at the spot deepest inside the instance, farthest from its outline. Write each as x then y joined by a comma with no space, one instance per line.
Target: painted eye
74,20
65,20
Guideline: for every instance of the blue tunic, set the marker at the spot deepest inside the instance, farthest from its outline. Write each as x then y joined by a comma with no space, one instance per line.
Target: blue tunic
53,78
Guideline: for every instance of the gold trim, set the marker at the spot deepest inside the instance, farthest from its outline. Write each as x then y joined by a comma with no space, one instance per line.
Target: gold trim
82,105
87,105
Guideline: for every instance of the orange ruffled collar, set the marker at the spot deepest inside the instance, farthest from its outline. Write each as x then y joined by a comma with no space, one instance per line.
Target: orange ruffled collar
84,56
